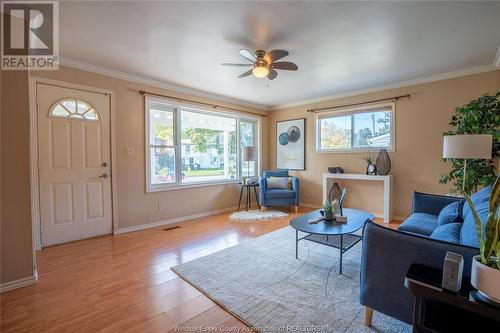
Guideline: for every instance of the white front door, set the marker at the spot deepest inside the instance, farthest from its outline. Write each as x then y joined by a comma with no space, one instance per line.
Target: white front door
74,163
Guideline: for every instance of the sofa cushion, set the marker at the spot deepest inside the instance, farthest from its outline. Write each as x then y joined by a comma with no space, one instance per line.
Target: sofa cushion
279,194
468,234
451,213
449,232
480,196
420,223
275,173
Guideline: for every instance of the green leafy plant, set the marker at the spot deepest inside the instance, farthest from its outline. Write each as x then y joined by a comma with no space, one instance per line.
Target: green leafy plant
369,159
489,239
480,116
327,207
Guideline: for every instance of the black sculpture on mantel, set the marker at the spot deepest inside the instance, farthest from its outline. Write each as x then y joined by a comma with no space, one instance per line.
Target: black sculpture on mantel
335,170
383,162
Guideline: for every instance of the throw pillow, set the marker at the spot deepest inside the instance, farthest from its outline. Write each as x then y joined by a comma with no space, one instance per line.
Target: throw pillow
448,233
277,183
451,213
289,181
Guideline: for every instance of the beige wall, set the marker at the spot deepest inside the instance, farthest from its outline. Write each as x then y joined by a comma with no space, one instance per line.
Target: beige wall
416,163
17,254
135,207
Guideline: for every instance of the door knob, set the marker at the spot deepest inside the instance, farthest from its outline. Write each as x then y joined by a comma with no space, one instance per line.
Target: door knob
104,175
105,164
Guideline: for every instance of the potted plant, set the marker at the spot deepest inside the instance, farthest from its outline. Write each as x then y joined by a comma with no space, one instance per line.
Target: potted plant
370,167
485,274
328,210
479,116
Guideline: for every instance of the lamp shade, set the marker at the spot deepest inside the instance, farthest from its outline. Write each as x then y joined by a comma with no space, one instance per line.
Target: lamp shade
471,146
248,153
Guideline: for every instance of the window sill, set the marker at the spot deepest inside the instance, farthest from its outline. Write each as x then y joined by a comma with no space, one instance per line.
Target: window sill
162,188
355,151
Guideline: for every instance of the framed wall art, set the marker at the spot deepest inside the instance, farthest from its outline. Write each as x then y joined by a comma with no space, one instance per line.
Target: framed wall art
290,144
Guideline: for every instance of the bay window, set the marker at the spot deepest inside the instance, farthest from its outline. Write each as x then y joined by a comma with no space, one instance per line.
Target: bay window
188,146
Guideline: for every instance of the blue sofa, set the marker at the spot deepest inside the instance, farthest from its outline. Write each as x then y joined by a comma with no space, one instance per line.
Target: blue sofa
437,224
278,197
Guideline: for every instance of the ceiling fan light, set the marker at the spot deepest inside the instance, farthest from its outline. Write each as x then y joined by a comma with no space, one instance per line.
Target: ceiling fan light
260,71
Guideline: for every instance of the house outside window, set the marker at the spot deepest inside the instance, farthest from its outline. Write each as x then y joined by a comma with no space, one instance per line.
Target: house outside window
354,130
189,146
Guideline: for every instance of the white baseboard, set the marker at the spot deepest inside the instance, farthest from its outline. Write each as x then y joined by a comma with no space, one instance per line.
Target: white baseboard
19,283
317,206
157,224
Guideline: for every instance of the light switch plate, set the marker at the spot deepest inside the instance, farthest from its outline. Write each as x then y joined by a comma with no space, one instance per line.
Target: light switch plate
129,151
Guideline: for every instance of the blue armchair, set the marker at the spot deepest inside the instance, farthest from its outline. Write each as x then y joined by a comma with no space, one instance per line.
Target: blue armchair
423,238
278,197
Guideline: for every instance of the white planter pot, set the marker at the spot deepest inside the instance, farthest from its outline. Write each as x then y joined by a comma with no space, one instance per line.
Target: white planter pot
485,279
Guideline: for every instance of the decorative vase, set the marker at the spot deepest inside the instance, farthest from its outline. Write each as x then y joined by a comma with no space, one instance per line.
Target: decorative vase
485,279
383,162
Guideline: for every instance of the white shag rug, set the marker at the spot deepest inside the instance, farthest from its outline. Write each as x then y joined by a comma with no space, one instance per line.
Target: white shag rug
255,215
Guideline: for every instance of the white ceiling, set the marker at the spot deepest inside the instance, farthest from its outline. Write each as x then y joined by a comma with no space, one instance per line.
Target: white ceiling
338,46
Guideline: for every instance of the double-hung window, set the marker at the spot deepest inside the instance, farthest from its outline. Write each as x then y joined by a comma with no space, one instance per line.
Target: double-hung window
362,129
189,146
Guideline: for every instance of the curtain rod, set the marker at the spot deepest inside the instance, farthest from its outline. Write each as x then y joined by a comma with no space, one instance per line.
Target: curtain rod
214,106
395,98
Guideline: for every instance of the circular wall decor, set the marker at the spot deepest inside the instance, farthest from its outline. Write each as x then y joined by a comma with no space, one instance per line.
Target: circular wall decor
284,139
293,134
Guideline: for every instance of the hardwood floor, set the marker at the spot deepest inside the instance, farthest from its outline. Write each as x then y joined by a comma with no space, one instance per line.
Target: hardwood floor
124,283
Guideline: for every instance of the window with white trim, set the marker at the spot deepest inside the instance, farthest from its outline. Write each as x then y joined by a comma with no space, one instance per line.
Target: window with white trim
360,129
189,146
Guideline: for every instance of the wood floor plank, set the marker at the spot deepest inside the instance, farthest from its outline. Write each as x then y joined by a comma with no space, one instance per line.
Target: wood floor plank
124,283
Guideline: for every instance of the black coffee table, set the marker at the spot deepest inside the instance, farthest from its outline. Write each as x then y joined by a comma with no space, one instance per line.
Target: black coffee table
331,233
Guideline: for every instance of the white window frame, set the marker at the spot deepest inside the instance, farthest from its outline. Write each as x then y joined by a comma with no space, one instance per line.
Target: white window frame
350,111
177,106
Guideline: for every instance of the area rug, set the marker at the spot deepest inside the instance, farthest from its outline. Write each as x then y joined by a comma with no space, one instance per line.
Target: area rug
261,283
255,215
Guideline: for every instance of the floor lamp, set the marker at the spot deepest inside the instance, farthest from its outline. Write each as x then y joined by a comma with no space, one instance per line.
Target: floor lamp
248,155
467,147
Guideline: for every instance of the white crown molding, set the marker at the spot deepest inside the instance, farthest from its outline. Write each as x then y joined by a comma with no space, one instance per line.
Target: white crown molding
215,97
18,283
158,84
413,82
497,58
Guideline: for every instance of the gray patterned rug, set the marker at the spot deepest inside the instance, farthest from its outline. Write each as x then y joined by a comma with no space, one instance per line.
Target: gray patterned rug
262,283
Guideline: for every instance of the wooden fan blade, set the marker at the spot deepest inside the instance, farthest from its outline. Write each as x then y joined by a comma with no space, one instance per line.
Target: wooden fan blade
248,55
289,66
247,73
272,74
236,65
274,55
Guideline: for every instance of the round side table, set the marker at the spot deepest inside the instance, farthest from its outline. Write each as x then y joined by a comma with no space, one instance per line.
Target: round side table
248,201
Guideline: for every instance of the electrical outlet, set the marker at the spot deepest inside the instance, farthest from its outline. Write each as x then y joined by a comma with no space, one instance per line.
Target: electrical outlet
161,205
398,203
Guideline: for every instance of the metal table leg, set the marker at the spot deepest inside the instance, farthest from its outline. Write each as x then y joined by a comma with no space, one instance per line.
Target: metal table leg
296,244
249,205
241,194
256,196
341,252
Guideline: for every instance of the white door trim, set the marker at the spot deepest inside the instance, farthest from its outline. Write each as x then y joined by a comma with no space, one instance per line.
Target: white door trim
34,177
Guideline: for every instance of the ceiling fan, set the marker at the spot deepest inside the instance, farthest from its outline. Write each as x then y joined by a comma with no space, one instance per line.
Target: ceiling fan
264,63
